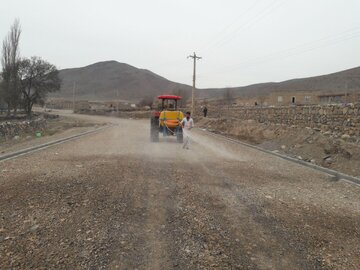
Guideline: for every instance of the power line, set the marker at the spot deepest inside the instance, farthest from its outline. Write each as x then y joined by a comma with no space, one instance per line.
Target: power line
303,48
261,15
74,93
225,29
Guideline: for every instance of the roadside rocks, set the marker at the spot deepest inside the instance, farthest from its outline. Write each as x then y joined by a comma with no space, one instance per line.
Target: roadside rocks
328,160
309,144
338,121
331,149
337,148
14,129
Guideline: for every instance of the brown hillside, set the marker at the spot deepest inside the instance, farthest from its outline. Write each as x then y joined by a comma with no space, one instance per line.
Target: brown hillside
335,82
111,79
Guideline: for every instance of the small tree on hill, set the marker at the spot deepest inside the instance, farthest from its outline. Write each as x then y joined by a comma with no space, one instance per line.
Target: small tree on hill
146,101
37,79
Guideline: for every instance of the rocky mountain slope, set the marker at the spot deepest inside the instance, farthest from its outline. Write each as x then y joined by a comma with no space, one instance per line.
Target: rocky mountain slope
111,79
347,80
114,80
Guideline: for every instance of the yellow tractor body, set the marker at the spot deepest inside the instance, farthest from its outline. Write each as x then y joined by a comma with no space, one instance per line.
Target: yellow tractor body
167,120
170,119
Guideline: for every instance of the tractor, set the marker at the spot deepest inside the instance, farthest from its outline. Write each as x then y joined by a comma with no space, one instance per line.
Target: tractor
167,119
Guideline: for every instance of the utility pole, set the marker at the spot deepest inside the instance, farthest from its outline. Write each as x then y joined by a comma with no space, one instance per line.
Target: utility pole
346,92
194,57
74,86
117,97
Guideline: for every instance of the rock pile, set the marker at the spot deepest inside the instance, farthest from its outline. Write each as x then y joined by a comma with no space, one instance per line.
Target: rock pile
12,129
339,120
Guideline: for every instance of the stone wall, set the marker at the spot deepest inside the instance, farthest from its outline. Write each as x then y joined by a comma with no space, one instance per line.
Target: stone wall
339,119
10,129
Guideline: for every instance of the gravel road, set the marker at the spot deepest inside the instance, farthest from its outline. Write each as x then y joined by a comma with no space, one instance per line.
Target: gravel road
113,200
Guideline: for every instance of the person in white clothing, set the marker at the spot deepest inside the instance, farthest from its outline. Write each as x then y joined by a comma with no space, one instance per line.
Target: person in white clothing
187,124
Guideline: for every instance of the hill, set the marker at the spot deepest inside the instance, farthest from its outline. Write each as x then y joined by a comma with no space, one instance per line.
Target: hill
331,83
111,79
114,80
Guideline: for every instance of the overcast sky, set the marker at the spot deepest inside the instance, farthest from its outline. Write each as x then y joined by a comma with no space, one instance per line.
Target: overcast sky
241,41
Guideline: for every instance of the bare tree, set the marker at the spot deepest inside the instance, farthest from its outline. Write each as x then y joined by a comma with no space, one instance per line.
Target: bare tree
10,65
146,101
1,90
37,79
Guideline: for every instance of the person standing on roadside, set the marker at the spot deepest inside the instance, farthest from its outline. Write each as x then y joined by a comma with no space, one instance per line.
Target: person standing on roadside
205,110
187,124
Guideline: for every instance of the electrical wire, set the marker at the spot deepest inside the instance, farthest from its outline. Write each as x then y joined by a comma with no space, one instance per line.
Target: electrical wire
303,48
221,34
261,15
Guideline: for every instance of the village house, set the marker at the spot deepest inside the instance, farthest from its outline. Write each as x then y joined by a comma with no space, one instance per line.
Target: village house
284,98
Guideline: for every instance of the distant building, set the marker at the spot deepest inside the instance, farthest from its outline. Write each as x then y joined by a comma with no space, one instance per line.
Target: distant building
64,104
335,98
293,98
284,98
59,104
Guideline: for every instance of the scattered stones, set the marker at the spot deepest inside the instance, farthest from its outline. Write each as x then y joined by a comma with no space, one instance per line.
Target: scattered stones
330,149
346,153
328,160
319,118
34,227
13,129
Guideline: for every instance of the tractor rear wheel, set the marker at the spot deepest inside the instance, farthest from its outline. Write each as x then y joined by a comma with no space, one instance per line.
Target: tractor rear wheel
154,129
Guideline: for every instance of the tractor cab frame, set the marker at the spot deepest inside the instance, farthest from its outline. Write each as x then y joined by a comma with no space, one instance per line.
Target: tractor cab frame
168,102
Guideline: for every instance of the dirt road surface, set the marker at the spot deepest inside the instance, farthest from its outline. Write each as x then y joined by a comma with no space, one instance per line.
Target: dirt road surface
113,200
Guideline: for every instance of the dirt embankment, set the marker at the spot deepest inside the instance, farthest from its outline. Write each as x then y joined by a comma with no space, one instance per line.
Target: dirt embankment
312,145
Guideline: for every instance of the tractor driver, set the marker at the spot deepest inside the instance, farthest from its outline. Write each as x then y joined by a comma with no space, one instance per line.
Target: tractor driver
188,124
